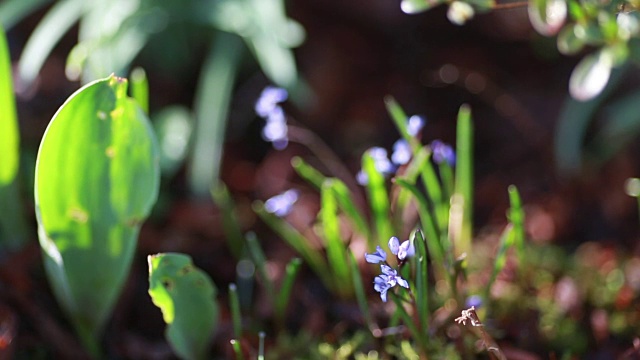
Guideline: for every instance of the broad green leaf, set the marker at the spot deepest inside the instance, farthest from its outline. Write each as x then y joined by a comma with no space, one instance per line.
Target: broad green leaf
547,16
590,76
186,297
9,134
96,179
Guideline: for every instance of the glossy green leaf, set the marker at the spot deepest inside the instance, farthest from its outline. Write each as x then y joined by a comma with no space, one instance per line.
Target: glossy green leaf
96,179
9,134
186,297
422,278
547,16
284,295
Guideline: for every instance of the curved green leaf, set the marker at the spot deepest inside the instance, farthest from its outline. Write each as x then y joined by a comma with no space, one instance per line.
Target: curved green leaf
590,76
96,179
186,297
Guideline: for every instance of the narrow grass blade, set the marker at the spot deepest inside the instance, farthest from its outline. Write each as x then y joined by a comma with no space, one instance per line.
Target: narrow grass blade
261,336
308,172
9,132
436,249
58,20
422,280
297,241
284,295
460,229
230,223
13,11
506,241
516,217
344,197
140,88
378,200
257,255
406,319
361,295
399,118
213,96
335,247
237,349
13,227
236,316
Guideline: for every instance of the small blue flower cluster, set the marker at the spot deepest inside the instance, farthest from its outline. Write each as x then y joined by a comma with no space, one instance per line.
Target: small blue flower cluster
443,153
401,152
281,205
389,277
268,108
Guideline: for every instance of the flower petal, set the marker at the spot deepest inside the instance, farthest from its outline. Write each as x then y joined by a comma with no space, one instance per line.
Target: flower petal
406,250
377,257
394,245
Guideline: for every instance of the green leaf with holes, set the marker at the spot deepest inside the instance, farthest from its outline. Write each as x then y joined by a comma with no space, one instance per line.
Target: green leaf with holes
96,179
186,297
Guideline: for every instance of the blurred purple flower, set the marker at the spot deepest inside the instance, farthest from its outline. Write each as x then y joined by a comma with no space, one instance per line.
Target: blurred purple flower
473,300
281,205
404,250
382,164
415,124
275,129
401,152
269,99
377,257
443,153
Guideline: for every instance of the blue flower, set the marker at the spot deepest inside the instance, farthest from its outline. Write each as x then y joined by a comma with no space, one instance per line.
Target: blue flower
281,205
473,301
401,152
388,279
275,129
382,164
402,251
443,153
377,257
415,124
269,99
